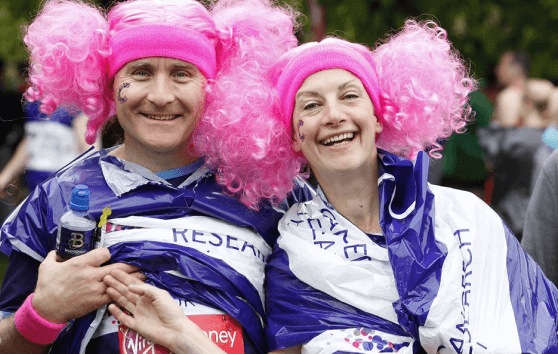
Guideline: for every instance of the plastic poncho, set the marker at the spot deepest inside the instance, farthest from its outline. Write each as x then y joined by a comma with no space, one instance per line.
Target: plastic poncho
447,275
192,240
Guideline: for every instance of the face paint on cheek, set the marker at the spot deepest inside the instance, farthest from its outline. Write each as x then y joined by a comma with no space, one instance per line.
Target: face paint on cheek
122,87
299,125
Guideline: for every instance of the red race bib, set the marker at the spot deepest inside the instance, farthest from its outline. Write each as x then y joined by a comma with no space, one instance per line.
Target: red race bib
222,330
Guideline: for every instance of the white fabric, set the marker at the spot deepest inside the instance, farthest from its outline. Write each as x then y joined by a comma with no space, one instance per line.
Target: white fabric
50,145
241,248
472,312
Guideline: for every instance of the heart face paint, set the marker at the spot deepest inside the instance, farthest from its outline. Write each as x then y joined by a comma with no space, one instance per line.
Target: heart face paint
122,87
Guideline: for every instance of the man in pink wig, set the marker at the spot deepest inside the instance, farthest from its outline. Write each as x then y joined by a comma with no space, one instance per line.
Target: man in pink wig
191,197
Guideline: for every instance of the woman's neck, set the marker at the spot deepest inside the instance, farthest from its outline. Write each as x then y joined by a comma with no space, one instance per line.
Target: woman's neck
354,195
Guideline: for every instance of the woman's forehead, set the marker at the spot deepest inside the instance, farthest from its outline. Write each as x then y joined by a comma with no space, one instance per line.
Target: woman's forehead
335,77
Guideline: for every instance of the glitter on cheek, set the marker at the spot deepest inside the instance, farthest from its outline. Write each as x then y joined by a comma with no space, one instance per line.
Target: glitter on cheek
300,135
122,87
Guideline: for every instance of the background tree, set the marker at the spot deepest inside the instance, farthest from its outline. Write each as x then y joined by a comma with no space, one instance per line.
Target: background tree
480,30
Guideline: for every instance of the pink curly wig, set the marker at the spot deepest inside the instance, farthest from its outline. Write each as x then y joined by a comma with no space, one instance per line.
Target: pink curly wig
418,84
424,89
69,45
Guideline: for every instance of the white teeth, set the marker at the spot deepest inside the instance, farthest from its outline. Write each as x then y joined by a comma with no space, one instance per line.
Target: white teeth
167,117
340,137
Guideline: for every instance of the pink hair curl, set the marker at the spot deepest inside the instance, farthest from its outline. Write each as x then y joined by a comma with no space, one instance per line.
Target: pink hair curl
251,151
69,46
424,89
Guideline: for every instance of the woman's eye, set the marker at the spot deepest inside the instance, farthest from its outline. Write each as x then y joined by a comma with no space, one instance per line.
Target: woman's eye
182,74
310,106
350,96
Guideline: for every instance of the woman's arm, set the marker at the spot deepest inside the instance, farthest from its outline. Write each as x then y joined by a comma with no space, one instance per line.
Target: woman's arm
154,314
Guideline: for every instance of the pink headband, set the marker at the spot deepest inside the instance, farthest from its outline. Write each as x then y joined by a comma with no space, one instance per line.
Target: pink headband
328,54
162,41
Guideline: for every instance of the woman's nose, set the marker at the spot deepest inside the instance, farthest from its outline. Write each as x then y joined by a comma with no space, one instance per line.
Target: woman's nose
161,92
335,114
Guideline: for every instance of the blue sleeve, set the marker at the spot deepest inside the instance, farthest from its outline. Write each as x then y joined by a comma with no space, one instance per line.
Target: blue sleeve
61,115
20,281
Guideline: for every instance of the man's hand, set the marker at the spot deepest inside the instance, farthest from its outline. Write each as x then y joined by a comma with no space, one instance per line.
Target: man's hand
71,289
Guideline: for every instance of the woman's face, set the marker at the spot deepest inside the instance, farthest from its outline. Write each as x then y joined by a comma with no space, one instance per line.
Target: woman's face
334,122
159,102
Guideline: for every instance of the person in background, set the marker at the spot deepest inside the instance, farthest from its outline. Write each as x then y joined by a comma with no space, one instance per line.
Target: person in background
191,197
540,237
48,145
512,73
463,161
511,145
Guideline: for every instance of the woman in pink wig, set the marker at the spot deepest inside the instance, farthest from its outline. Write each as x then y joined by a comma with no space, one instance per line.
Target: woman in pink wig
191,197
379,260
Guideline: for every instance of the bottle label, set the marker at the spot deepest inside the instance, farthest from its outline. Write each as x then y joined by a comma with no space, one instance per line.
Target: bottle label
71,243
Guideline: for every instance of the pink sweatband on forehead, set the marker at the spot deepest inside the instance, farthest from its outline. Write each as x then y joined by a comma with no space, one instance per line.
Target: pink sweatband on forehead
162,41
324,56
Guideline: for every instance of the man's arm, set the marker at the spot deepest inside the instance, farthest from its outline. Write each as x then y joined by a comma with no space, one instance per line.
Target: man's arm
65,291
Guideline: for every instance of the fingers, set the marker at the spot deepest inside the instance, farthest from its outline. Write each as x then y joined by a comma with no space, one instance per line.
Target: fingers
123,317
138,275
50,258
94,257
124,298
125,278
149,291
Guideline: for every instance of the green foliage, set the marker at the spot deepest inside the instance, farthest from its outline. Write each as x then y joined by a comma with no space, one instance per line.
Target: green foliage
480,30
13,14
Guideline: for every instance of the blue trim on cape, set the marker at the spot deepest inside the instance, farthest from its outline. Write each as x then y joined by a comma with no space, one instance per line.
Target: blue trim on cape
534,300
417,270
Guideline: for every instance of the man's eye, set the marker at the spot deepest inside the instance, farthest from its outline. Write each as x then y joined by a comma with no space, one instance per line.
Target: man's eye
310,106
141,73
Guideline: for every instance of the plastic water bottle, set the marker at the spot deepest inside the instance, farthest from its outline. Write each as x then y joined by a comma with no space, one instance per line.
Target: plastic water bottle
76,228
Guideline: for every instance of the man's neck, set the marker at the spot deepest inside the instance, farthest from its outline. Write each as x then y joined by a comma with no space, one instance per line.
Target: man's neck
154,161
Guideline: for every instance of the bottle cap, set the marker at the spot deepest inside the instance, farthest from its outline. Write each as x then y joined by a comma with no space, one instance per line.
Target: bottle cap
80,198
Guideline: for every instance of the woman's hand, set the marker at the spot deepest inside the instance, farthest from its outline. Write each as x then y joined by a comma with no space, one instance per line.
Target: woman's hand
148,310
154,314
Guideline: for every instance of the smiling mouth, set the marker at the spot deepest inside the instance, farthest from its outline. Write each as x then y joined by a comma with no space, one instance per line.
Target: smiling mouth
161,117
338,140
